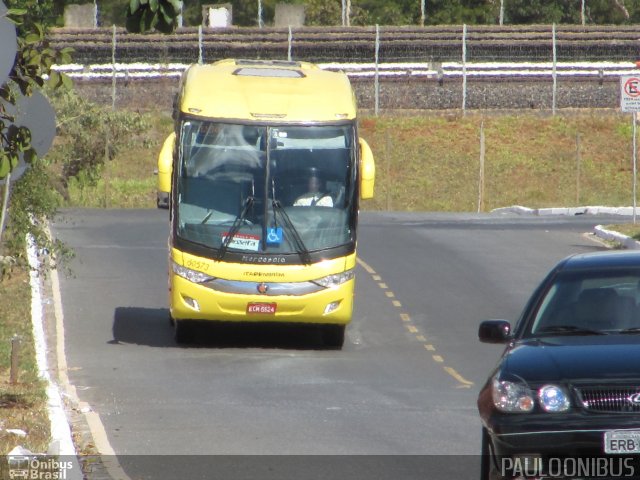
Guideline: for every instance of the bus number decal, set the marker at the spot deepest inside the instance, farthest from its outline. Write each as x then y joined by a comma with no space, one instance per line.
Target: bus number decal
197,265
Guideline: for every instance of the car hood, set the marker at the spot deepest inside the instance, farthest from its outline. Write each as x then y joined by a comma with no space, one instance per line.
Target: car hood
574,358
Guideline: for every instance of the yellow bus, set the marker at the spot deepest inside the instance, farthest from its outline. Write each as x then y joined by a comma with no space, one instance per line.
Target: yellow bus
264,173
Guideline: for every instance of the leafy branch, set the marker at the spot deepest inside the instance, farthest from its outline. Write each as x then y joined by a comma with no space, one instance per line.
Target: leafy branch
146,15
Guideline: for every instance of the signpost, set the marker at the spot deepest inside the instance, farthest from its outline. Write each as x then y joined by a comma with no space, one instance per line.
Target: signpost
630,102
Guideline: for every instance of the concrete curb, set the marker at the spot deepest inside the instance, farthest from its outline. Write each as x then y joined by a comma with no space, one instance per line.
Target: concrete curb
568,211
609,235
61,438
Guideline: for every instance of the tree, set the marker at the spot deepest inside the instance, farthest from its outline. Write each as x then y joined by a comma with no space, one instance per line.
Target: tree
145,15
33,62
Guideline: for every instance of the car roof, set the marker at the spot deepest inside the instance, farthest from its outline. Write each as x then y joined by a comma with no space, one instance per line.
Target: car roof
605,260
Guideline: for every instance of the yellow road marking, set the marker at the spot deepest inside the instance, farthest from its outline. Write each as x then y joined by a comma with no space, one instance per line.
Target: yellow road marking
457,376
464,383
366,266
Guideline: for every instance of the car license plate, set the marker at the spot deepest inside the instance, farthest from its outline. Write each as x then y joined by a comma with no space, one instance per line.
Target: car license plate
622,441
263,308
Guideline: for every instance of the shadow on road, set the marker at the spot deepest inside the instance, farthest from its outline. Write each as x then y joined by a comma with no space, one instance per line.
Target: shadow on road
151,327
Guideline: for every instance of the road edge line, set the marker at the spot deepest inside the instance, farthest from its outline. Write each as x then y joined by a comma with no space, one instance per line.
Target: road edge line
60,430
97,430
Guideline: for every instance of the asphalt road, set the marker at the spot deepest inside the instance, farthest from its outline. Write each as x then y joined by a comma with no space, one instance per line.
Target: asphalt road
397,402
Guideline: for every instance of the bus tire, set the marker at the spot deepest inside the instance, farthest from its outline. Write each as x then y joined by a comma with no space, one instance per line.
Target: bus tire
333,336
183,331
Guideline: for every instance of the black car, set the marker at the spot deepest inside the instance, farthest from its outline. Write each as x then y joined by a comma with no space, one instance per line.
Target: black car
564,399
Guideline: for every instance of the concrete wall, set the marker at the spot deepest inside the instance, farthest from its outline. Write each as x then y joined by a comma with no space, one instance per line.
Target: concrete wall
289,15
218,15
80,16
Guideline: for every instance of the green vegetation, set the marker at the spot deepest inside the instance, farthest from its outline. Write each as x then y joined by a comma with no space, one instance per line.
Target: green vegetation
23,405
432,163
429,162
629,230
104,157
401,12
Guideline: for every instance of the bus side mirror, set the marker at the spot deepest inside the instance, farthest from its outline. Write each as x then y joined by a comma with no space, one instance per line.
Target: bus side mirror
165,167
367,170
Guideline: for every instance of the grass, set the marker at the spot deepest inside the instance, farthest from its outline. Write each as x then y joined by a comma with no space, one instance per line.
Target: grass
431,162
628,229
128,180
23,405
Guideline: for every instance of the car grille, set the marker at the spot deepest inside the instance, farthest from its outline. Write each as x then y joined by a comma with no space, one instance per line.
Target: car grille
610,399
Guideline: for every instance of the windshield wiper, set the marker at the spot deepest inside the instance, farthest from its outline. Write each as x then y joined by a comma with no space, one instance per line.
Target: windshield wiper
300,247
237,223
570,330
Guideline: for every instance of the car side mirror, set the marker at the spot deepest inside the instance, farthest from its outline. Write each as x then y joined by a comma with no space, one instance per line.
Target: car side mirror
494,331
367,170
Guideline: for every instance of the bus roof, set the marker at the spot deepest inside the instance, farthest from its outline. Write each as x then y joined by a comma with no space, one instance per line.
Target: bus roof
267,91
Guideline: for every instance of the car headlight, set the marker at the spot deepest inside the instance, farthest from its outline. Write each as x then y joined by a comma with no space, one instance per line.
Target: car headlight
553,399
191,275
334,280
511,397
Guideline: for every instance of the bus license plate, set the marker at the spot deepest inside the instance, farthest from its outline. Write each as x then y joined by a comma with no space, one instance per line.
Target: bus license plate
263,308
622,441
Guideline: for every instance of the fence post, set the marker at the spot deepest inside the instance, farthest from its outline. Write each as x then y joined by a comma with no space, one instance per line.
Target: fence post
582,17
578,167
464,69
15,359
290,40
376,81
501,20
260,22
347,15
481,175
635,163
200,60
423,12
344,11
554,72
113,68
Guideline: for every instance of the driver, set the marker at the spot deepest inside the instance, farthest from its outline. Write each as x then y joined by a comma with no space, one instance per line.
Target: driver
316,195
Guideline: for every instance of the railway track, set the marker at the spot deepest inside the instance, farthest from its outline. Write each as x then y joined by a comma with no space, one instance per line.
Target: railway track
437,44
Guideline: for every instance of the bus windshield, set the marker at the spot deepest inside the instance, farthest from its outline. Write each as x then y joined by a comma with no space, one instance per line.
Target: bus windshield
274,190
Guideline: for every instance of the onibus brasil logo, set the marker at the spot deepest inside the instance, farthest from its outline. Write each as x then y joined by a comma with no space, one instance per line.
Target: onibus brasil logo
38,467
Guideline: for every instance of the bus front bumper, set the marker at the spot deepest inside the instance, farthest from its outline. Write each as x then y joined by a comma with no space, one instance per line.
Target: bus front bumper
192,301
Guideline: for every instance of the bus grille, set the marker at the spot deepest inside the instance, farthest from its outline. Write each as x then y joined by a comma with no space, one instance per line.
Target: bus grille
610,399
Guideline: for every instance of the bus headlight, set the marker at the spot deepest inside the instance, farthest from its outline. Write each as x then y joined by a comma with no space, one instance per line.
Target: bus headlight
335,279
188,274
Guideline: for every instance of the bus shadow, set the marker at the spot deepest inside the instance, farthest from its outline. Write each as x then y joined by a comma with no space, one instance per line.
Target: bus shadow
151,327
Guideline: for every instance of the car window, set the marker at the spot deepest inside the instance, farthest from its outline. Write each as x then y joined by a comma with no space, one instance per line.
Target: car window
602,302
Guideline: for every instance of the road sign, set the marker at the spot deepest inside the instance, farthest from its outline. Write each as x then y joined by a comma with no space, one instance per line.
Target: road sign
630,93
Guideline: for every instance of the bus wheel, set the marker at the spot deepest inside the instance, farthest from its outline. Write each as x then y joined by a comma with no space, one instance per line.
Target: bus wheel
333,336
183,331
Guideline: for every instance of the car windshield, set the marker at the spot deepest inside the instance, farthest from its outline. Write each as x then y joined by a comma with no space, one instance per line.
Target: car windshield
590,303
280,190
